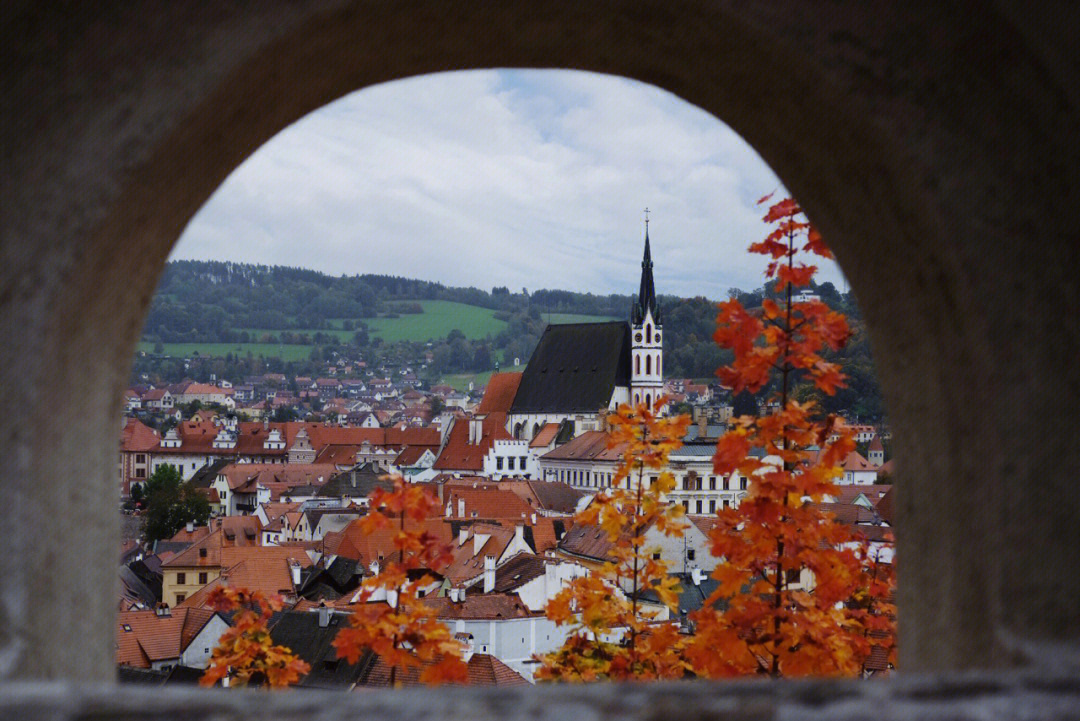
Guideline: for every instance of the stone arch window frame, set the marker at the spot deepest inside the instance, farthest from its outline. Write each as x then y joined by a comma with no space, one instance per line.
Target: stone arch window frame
692,90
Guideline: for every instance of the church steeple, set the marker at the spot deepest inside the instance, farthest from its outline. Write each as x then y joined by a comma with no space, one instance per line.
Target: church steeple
646,300
646,345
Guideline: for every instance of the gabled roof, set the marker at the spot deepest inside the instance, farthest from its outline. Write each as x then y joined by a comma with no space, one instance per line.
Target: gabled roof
138,437
518,571
500,392
468,560
460,455
359,482
483,670
545,436
410,455
301,632
856,462
575,367
485,503
590,445
490,606
143,637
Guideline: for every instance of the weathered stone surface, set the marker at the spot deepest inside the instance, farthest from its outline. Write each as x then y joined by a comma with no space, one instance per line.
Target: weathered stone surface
973,696
935,146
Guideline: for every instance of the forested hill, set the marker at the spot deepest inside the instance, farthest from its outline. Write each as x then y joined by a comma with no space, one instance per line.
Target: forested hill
290,318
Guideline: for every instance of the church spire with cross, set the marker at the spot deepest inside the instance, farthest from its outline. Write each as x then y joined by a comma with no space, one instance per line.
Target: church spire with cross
646,300
646,344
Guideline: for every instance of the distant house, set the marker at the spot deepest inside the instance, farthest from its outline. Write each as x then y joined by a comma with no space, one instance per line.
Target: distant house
203,393
158,399
166,637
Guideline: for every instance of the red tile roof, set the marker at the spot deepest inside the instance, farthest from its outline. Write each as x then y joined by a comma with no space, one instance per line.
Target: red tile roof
484,670
143,637
590,445
138,437
500,392
545,436
485,503
490,606
856,462
460,455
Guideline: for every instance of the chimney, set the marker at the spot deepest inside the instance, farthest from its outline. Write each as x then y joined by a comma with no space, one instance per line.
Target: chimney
551,581
455,595
324,616
190,526
294,571
462,536
696,575
476,430
519,533
461,507
489,573
702,424
374,568
534,518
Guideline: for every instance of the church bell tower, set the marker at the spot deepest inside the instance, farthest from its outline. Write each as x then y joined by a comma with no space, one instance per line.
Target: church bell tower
646,343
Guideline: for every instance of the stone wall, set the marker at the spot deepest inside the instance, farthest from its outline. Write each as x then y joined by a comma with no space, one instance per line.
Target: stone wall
935,145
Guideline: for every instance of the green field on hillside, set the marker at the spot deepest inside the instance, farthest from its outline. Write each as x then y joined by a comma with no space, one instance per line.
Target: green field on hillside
460,381
437,320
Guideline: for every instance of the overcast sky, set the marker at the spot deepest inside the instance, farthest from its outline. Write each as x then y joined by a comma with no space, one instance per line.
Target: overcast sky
529,179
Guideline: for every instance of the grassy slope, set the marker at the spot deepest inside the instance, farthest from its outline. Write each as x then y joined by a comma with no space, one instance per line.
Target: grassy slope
437,320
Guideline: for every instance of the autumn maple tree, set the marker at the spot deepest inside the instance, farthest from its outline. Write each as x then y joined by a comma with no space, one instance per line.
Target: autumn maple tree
245,654
612,636
800,593
392,619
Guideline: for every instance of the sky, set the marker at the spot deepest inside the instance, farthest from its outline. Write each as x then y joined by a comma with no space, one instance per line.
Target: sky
519,178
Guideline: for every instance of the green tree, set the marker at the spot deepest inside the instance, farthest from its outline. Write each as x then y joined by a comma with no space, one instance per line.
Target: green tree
171,503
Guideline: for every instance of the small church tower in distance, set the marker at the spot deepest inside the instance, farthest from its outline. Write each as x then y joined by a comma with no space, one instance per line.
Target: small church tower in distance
646,348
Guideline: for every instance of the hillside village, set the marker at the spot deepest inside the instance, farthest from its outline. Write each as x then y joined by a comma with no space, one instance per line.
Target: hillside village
510,463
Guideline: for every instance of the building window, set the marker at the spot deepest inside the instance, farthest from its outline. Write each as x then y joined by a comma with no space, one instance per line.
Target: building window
202,552
712,505
727,503
686,483
181,579
180,597
742,484
510,463
699,506
656,555
648,365
697,483
140,458
140,473
521,462
712,483
686,505
498,463
690,554
203,578
726,480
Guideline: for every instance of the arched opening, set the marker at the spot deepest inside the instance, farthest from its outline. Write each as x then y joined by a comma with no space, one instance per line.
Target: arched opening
648,365
876,164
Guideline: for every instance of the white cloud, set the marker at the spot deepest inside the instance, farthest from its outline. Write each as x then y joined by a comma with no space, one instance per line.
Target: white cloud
520,178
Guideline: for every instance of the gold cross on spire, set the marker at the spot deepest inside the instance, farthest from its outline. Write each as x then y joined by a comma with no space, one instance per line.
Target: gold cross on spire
646,218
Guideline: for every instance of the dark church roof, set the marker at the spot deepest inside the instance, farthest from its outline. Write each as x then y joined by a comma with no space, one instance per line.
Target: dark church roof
646,300
575,367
